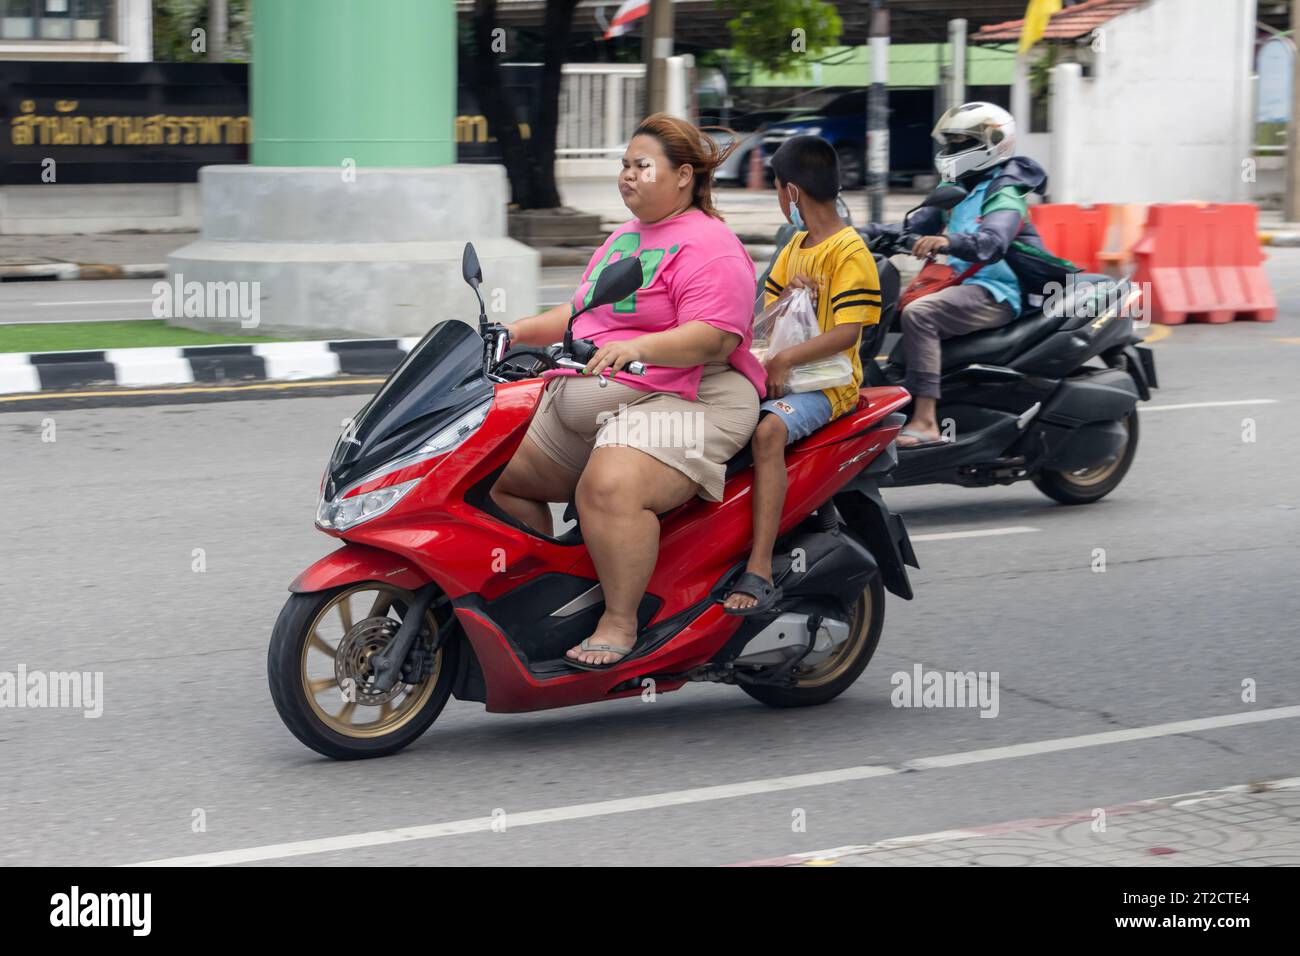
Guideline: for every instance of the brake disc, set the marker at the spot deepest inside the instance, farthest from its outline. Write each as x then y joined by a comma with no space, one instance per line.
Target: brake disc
352,664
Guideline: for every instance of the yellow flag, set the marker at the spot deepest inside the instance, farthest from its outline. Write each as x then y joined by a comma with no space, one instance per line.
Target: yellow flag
1036,16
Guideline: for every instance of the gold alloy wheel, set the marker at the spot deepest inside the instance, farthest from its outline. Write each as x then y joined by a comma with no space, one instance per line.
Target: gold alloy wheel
843,656
335,664
1091,477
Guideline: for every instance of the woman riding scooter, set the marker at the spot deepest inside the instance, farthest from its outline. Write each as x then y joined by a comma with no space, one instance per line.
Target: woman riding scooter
977,143
691,324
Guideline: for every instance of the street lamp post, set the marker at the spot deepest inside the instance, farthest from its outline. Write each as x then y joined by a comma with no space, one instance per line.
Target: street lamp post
878,113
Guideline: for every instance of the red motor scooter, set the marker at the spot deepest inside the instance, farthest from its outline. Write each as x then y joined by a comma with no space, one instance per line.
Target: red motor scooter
436,592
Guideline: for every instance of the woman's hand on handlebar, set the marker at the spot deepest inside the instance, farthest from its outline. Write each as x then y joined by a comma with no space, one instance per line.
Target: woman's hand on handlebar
615,356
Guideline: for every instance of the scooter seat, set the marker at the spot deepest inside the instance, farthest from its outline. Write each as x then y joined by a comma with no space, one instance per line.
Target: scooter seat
999,346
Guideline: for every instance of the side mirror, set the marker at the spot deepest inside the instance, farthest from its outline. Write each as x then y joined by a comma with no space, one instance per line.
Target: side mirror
947,196
617,282
470,270
614,284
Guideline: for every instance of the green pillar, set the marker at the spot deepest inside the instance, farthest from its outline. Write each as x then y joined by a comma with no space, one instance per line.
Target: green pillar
369,81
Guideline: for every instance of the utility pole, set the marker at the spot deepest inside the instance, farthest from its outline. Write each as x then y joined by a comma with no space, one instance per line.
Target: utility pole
957,78
878,113
1292,210
217,17
656,48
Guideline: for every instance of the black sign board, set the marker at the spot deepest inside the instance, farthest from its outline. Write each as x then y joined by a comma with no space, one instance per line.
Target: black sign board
73,122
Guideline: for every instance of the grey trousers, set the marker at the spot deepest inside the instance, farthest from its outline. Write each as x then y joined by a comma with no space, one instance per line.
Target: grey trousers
956,310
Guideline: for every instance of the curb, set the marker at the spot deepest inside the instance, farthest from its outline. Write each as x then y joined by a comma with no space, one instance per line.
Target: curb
80,270
27,372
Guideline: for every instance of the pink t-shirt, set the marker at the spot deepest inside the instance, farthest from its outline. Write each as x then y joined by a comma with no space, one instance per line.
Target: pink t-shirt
695,270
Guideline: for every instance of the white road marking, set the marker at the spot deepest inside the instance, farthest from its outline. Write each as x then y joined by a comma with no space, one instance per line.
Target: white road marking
94,302
979,533
279,851
1173,408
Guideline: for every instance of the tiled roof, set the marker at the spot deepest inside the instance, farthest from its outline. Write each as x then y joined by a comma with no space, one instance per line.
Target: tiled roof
1069,24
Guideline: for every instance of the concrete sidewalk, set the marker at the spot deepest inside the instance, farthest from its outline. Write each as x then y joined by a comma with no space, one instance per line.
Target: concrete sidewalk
754,216
1251,825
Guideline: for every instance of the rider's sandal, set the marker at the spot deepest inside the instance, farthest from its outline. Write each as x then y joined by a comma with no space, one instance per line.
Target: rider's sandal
921,440
586,645
764,592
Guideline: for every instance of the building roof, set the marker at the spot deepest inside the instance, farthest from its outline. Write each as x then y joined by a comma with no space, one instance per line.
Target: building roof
1072,23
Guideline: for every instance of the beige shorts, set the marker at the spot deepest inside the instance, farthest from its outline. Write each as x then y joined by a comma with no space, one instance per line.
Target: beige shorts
696,438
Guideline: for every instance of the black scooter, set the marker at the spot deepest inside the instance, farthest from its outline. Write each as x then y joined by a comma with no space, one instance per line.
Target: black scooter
1050,398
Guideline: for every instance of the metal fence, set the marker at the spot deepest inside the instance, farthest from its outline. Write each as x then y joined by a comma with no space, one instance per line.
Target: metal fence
600,104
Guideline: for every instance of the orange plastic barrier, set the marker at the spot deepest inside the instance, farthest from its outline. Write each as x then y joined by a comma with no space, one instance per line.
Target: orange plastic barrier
1124,229
1073,232
1204,263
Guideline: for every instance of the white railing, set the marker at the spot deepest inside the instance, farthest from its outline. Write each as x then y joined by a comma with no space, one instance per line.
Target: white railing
600,105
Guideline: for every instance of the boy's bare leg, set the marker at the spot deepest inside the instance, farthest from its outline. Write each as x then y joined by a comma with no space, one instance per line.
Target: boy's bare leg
769,498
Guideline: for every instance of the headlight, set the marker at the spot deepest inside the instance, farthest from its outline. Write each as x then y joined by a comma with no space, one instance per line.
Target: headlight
813,131
343,512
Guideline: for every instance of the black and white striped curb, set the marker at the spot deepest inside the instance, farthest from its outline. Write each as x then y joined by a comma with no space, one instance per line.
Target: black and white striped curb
51,269
184,365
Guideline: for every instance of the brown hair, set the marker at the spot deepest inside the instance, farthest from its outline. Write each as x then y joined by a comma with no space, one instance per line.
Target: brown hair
683,143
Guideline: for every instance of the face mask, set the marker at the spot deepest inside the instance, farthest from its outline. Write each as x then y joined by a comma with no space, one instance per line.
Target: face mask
796,219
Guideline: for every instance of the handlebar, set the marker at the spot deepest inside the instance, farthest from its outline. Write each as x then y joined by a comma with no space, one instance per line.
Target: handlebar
632,368
890,243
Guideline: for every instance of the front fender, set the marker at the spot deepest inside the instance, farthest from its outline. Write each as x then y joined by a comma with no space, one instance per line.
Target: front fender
358,562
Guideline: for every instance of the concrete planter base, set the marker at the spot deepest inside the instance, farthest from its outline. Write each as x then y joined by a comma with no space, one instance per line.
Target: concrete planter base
375,252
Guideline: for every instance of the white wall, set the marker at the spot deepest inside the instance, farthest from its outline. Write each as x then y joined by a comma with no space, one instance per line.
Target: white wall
1165,116
131,40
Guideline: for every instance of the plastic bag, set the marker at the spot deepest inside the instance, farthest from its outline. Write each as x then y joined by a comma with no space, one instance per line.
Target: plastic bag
792,320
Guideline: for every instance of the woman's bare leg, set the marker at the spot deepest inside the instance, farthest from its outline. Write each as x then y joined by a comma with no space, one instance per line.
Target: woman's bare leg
529,481
620,495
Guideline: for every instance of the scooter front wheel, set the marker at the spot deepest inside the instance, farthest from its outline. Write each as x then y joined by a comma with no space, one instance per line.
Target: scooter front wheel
322,683
830,678
1087,485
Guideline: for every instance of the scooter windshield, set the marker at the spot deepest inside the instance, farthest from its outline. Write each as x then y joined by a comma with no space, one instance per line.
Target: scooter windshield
440,379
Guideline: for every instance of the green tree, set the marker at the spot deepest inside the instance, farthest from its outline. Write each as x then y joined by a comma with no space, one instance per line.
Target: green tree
174,22
779,35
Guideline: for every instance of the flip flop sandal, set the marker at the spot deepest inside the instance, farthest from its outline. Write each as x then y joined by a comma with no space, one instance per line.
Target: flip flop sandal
923,441
586,645
761,590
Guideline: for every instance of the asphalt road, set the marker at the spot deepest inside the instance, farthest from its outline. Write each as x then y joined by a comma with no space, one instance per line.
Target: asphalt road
1202,546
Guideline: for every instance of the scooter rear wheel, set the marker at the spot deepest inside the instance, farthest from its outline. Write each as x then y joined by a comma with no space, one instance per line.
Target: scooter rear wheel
833,676
1091,484
321,681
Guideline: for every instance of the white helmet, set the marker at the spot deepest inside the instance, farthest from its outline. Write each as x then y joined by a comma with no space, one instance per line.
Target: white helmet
973,137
